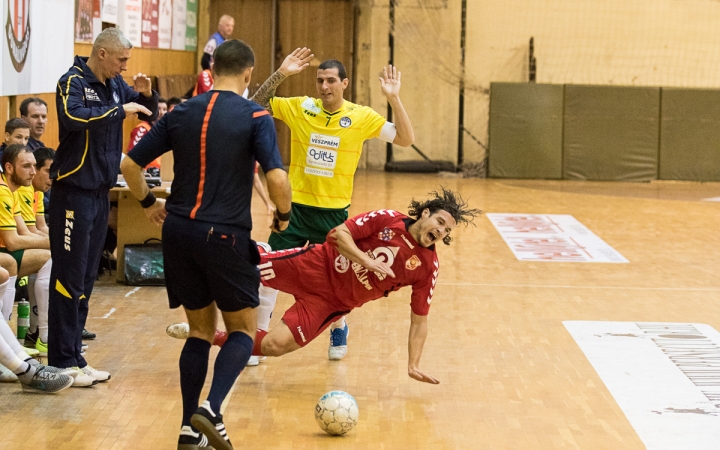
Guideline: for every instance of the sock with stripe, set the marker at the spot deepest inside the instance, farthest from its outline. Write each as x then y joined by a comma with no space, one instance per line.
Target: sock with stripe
193,370
230,362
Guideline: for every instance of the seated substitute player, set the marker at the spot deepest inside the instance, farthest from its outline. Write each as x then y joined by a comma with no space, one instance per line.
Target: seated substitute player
363,259
17,131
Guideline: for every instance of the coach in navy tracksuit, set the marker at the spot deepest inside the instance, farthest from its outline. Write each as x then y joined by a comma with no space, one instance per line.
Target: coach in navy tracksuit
92,102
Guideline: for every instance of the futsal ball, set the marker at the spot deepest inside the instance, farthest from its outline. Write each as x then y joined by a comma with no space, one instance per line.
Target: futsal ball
336,412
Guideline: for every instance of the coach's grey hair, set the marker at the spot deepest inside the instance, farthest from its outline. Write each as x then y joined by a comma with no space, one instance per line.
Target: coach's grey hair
111,39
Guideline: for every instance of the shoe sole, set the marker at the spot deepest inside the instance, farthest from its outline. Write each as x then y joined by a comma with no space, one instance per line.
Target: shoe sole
208,429
172,334
32,390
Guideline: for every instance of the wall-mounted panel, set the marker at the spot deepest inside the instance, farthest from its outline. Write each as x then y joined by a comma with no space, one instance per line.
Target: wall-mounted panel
611,133
526,130
690,135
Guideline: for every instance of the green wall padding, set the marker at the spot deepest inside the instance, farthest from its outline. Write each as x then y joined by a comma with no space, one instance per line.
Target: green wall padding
690,135
525,130
611,133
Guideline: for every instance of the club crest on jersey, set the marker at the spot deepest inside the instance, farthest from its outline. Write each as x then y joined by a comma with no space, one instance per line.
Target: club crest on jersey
386,234
345,122
342,264
413,263
17,32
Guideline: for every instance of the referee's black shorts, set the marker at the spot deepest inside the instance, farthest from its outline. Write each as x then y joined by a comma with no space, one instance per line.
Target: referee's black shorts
205,262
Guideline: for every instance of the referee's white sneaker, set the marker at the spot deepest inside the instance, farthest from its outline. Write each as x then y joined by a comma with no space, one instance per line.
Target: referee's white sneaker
80,378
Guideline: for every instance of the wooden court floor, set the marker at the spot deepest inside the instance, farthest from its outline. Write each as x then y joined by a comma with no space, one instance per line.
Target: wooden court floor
511,376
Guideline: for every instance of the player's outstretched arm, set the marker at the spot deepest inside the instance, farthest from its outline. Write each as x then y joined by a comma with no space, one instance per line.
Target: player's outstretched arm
416,341
294,63
341,238
390,86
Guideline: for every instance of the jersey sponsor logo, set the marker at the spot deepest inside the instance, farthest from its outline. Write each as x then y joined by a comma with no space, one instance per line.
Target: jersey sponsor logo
91,95
386,255
386,234
342,264
302,336
407,241
309,106
321,158
309,113
380,212
319,172
345,122
413,263
324,140
69,223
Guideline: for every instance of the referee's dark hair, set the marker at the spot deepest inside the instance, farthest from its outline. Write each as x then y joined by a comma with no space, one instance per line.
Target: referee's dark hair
232,57
334,64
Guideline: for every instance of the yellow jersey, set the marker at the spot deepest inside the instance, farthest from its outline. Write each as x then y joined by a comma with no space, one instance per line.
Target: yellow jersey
325,148
9,208
39,203
26,199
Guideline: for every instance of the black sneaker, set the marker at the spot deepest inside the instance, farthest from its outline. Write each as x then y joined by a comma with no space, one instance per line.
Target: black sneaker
88,336
191,440
211,425
31,339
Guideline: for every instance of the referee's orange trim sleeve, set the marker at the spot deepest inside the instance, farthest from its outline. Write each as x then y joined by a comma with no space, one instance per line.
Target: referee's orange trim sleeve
260,114
203,146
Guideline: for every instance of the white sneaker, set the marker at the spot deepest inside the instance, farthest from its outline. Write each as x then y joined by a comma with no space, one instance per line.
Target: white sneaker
99,375
80,378
7,375
178,330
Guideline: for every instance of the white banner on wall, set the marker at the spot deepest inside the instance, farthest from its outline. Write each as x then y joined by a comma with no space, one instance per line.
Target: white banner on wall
552,237
664,376
178,26
130,20
37,44
110,11
165,22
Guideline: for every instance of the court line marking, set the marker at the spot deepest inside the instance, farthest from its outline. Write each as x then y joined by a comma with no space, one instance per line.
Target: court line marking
132,292
543,286
106,316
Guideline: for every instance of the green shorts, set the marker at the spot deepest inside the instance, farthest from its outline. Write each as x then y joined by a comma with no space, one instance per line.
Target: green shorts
307,225
17,255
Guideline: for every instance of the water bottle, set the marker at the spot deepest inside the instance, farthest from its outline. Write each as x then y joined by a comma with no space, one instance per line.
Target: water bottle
23,320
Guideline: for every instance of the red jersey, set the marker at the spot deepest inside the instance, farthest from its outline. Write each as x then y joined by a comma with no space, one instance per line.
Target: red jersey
138,133
204,83
383,234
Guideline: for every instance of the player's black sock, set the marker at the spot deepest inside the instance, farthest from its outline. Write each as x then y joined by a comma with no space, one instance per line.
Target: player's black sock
230,362
193,370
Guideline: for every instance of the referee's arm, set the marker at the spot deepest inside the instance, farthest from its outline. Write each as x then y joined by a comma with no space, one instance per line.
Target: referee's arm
281,196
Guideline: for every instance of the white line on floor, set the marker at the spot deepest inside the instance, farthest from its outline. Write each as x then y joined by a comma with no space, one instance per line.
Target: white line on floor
132,292
540,286
106,316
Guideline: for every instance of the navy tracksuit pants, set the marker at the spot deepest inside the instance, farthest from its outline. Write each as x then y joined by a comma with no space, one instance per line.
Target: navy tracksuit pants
78,225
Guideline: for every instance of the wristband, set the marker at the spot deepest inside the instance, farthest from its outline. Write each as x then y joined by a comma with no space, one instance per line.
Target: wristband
283,217
148,201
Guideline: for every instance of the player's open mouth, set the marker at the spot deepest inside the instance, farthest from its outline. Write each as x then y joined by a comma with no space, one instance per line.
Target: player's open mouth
432,236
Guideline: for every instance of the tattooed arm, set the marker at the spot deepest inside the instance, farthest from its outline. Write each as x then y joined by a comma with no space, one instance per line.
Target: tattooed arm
294,63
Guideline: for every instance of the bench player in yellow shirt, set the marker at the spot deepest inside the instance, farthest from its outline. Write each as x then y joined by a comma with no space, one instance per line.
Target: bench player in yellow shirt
327,136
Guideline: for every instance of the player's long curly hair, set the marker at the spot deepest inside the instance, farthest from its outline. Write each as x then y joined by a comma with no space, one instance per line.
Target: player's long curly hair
449,201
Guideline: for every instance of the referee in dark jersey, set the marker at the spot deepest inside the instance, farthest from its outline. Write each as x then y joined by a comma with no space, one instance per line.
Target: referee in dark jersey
210,260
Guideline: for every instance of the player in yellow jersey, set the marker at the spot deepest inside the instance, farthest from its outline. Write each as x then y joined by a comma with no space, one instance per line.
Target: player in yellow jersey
327,135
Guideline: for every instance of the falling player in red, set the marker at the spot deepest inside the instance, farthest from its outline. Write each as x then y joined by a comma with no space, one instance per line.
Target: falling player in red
363,259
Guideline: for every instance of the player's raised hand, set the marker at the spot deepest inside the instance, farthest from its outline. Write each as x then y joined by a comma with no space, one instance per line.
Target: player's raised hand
142,84
415,374
390,81
296,61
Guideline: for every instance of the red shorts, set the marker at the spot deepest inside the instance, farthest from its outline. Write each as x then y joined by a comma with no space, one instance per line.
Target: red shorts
301,272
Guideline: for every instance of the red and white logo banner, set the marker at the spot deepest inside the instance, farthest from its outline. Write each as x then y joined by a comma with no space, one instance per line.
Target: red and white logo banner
552,237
